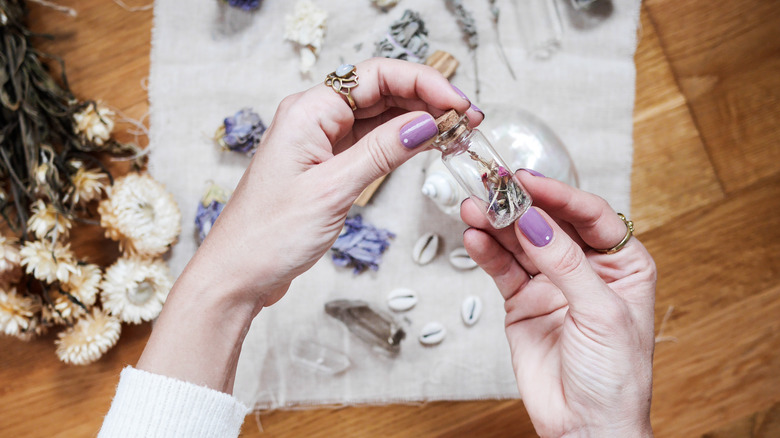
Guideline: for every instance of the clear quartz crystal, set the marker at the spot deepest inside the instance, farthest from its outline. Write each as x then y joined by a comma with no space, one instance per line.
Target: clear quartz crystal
481,171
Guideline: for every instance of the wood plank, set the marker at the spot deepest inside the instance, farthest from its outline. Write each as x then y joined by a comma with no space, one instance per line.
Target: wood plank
666,142
726,58
723,367
762,424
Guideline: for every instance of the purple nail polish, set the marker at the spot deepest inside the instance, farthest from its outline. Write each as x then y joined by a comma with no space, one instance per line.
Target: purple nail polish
460,93
476,108
534,173
535,228
418,131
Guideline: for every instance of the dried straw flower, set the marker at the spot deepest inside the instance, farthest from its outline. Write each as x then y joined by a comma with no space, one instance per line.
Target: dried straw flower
46,220
95,122
10,268
16,312
88,184
64,309
241,132
141,215
84,284
48,261
134,289
306,26
89,338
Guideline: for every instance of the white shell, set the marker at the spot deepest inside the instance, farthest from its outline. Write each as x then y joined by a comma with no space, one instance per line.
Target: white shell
425,249
471,310
401,299
460,259
432,333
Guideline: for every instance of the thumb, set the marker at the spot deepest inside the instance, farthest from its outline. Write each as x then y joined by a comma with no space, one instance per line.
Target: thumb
381,150
564,263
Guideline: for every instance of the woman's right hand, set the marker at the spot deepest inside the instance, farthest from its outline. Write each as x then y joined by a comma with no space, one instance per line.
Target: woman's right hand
579,323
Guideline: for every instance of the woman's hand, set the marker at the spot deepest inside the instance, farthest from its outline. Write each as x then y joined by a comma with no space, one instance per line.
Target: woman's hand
579,323
314,160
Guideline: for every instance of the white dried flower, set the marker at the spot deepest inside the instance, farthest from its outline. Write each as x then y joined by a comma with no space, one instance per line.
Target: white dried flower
36,328
48,261
134,288
46,219
141,215
89,338
16,312
306,26
64,310
88,184
96,122
10,267
84,283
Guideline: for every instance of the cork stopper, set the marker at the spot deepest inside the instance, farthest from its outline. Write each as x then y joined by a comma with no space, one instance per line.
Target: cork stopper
449,120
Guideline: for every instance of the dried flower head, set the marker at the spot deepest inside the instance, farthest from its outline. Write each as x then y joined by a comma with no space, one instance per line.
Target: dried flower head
48,261
360,245
88,184
64,309
241,132
134,289
84,284
209,209
95,122
10,267
141,215
89,338
46,220
306,26
16,312
246,5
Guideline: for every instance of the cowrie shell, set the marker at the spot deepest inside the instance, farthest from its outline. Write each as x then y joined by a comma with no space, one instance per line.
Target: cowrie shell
460,259
425,248
401,299
432,333
471,310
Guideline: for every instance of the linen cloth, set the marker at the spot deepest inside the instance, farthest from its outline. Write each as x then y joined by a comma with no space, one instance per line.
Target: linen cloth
208,61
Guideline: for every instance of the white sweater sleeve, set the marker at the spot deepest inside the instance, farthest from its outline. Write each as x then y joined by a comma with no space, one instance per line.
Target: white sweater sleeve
151,405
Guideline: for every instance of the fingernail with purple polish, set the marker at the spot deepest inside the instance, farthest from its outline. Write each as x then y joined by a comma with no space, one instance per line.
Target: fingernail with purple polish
460,93
534,173
476,108
418,131
535,228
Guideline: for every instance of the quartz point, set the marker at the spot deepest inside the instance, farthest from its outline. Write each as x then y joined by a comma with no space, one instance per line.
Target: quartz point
377,328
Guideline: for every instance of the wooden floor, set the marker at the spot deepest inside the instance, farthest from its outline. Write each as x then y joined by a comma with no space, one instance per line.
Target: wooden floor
706,202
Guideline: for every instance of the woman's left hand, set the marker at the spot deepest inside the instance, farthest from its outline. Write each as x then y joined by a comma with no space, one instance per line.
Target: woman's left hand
314,160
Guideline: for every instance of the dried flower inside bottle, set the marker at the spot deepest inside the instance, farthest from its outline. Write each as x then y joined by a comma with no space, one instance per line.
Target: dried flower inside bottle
480,170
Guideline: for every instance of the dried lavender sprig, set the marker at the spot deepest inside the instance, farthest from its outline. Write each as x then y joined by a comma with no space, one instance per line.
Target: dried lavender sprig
495,12
468,27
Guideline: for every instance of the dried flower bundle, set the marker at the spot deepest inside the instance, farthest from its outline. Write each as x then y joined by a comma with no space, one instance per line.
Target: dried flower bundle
209,209
505,197
241,132
468,27
49,175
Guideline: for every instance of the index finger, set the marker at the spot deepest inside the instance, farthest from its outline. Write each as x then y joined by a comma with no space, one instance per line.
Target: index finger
382,84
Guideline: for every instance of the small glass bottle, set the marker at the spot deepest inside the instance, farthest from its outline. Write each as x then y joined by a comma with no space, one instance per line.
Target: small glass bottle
480,170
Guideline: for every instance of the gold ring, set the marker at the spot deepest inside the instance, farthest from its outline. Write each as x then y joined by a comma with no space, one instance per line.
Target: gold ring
626,238
342,81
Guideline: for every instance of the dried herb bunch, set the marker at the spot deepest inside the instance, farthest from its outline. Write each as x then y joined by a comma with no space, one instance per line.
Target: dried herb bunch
47,134
50,178
505,197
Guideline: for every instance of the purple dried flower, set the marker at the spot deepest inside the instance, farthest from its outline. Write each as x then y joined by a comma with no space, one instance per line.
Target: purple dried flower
360,245
209,208
241,132
247,5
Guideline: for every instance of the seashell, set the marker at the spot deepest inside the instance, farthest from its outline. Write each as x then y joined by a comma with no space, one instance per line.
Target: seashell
471,310
401,299
460,259
432,333
425,249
